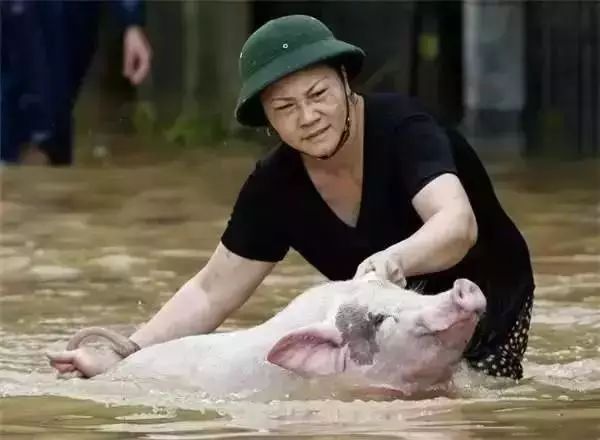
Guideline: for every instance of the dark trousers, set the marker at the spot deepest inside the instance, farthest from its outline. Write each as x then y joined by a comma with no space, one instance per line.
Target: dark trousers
46,49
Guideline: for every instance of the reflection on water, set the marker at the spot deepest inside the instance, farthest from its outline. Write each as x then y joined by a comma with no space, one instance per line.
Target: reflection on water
107,246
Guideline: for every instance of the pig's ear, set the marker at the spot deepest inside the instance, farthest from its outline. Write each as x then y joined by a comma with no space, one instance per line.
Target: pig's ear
316,350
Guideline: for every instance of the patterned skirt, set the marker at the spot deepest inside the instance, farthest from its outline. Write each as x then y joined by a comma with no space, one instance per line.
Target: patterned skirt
505,359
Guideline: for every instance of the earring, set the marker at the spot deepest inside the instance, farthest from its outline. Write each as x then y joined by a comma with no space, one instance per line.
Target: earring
269,132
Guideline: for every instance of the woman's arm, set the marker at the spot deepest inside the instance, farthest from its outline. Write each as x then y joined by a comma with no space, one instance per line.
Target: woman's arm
199,306
207,299
449,230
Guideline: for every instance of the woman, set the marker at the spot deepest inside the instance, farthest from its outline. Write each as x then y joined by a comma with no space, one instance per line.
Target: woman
358,184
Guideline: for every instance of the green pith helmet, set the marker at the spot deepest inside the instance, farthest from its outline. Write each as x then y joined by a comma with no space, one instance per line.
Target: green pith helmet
283,46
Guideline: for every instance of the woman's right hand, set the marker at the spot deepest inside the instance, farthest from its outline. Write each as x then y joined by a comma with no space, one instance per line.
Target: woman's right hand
84,361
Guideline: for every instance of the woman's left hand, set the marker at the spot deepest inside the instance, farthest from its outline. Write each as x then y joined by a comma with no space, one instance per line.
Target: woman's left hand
385,265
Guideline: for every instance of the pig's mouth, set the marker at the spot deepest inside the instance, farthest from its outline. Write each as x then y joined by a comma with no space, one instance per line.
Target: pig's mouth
412,391
458,333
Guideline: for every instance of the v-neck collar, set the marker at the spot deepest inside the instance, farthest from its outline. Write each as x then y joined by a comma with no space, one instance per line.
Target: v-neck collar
318,198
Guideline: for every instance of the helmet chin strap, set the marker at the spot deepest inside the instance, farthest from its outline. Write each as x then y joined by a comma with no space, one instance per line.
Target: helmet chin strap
345,134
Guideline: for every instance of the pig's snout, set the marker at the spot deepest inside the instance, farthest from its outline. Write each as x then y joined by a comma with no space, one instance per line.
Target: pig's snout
468,296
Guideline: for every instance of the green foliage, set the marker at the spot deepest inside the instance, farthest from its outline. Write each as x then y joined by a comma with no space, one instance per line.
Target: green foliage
193,129
189,129
144,118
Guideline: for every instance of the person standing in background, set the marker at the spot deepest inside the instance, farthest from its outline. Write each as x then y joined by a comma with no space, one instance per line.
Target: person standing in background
46,49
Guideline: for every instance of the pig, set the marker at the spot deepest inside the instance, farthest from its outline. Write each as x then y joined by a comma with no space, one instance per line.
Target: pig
365,335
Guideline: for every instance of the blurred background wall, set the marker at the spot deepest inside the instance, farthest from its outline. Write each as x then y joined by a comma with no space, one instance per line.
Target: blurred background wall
526,71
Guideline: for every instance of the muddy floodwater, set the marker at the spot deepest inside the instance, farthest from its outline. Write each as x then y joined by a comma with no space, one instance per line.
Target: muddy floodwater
108,244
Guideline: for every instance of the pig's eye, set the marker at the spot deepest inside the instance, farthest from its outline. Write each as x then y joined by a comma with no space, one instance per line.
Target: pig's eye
377,319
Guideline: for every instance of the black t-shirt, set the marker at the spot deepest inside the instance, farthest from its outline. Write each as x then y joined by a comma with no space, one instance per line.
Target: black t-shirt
404,149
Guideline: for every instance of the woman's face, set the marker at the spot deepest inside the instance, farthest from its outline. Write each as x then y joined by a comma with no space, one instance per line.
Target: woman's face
308,109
